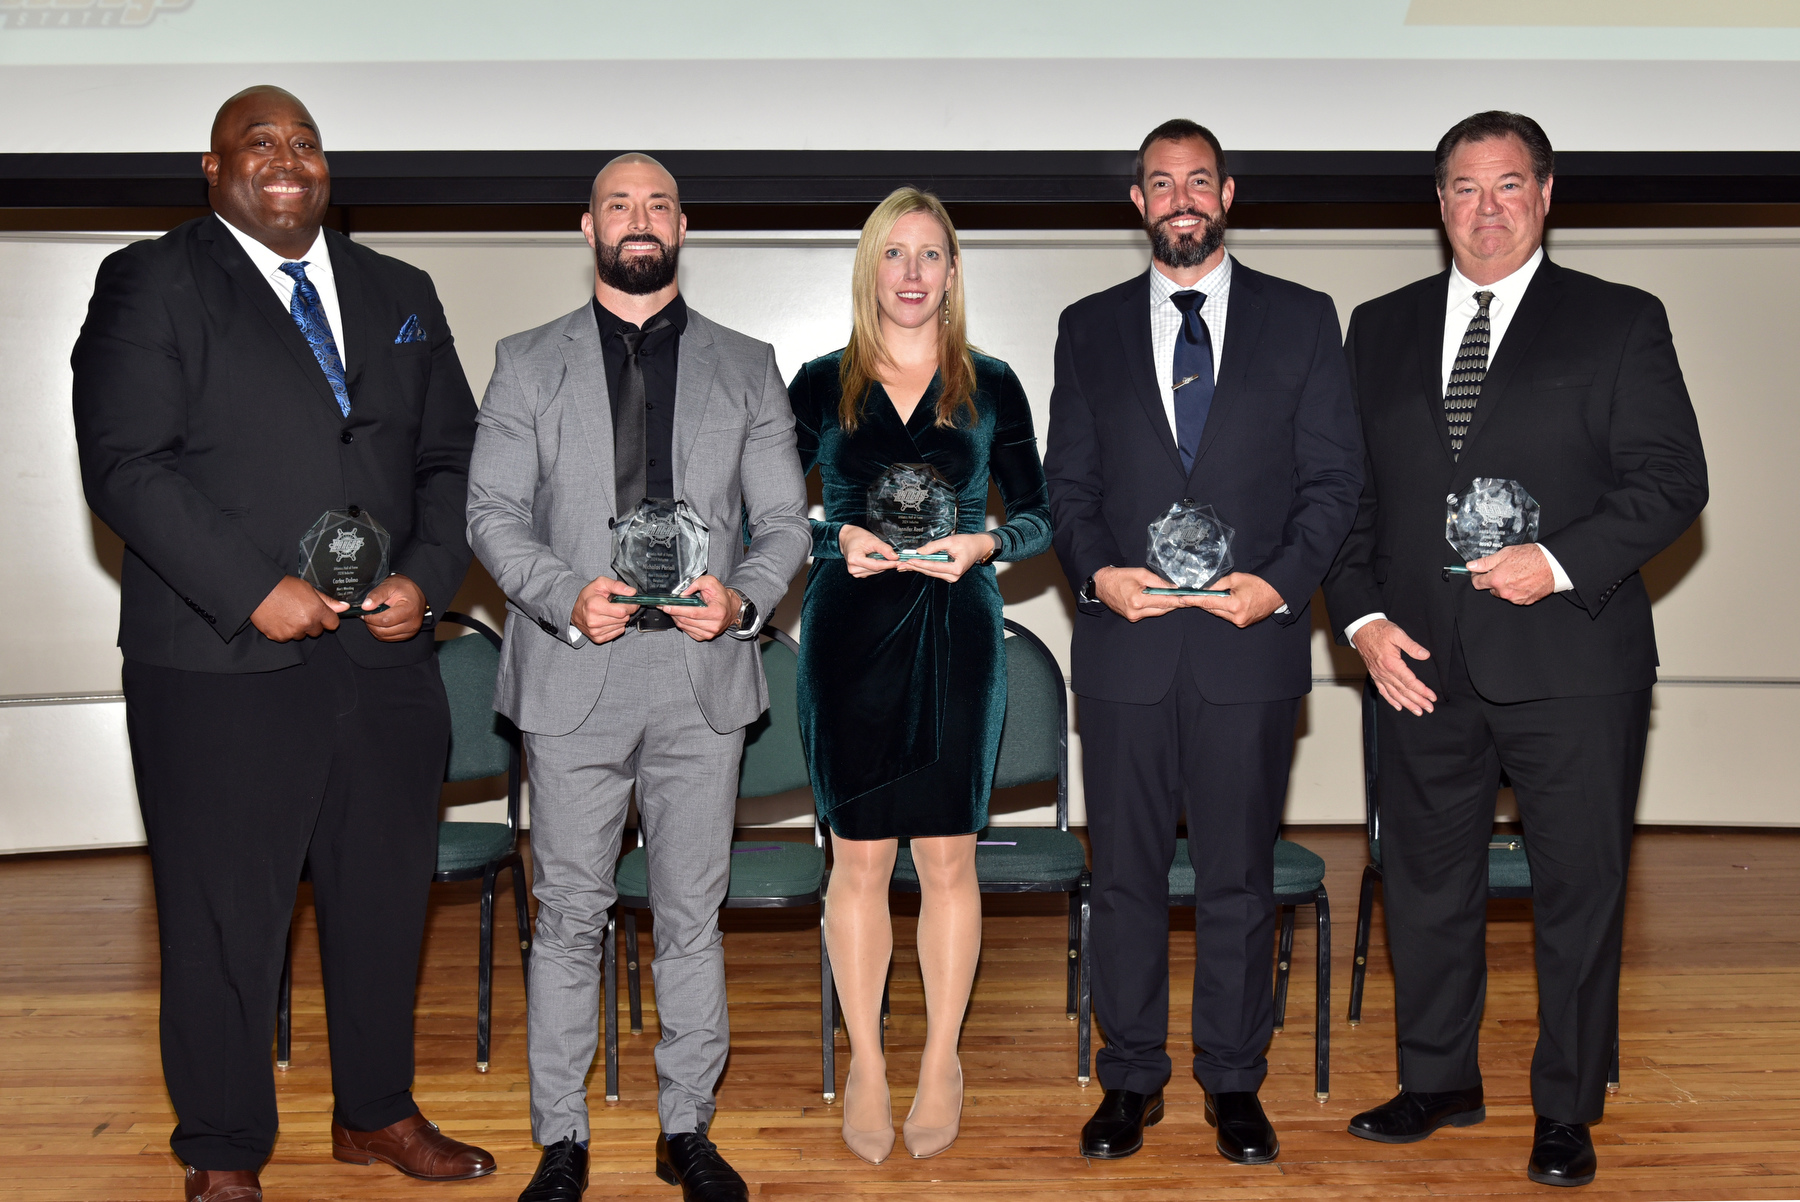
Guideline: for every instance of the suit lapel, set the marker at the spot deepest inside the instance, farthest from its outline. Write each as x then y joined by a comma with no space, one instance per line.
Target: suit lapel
584,380
261,297
1429,346
1535,307
1243,322
695,366
357,307
1140,360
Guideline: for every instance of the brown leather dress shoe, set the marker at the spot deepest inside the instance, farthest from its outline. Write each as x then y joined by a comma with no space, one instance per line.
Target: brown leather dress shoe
415,1147
222,1185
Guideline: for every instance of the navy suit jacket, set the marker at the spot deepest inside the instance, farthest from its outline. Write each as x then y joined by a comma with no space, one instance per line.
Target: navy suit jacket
1280,460
210,441
1584,405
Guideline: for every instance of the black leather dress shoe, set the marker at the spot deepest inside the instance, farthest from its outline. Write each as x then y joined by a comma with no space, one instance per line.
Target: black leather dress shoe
562,1173
693,1162
1561,1154
1117,1128
1245,1134
1411,1115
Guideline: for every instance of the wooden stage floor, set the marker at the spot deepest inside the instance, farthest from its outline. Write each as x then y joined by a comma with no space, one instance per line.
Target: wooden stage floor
1710,1104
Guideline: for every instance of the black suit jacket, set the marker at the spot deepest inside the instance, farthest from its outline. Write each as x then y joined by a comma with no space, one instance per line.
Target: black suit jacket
1585,406
1280,460
210,441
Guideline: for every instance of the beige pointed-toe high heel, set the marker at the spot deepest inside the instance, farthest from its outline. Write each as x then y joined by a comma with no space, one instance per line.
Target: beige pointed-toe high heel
873,1146
925,1142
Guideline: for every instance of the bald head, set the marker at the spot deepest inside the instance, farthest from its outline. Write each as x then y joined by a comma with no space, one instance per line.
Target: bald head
256,105
266,172
645,168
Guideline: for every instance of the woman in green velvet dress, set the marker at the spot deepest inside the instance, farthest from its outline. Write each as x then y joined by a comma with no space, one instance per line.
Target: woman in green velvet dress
902,672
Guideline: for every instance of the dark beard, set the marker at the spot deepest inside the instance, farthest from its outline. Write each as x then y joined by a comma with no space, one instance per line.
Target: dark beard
636,276
1186,250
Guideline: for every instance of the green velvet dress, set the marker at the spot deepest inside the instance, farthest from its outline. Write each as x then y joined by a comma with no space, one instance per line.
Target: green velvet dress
903,677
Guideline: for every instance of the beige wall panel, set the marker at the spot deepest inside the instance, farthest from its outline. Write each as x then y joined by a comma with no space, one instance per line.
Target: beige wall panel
61,563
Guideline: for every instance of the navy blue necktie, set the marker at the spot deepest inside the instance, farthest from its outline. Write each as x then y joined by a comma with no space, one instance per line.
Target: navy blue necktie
1193,378
309,315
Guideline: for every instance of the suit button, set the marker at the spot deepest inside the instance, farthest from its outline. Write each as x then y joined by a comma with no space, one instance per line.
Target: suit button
346,438
548,628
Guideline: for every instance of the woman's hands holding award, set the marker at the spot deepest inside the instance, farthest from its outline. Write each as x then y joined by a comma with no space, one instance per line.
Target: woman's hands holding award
945,558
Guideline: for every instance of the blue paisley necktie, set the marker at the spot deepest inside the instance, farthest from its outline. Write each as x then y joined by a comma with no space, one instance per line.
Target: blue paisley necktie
309,315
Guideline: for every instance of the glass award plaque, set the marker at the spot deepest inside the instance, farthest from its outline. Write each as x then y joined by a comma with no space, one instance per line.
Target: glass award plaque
910,504
344,555
1190,547
659,550
1491,515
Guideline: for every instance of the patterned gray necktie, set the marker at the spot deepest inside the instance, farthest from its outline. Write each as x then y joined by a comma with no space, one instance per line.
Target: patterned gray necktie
1466,375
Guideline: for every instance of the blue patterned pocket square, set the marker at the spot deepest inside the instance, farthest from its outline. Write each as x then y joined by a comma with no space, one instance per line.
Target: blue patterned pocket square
411,331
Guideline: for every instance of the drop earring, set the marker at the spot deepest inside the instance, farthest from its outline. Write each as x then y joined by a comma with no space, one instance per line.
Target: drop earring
946,306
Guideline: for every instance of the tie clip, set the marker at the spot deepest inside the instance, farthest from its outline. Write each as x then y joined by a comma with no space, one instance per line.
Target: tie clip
1185,381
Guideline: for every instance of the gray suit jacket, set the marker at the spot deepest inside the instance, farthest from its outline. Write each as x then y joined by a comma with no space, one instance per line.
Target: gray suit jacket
541,496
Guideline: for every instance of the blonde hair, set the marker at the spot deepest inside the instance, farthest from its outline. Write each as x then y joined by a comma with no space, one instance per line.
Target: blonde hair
868,352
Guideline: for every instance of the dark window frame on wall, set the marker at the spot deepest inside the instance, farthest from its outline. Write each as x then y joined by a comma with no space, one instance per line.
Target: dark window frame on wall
827,189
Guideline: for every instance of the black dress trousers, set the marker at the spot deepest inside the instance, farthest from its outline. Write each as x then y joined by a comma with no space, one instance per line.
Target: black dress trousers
1575,763
1225,768
243,778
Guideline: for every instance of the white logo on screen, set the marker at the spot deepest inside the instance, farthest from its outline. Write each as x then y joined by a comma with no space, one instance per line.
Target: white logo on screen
84,14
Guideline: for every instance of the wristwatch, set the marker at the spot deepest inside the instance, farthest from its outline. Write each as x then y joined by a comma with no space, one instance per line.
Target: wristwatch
746,617
1087,596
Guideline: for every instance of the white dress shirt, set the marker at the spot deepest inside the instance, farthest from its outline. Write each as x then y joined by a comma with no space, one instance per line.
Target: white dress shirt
1460,307
318,273
1165,325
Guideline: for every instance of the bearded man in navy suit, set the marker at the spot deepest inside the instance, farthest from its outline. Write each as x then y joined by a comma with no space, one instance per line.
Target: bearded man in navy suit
1199,379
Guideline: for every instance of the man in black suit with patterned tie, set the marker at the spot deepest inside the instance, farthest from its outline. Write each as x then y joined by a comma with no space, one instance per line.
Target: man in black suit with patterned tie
235,380
1539,661
1199,379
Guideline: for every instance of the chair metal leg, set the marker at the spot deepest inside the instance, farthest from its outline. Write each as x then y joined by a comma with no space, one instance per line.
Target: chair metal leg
609,971
634,986
484,972
1612,1078
1074,950
1365,914
522,918
1284,957
284,1008
827,1019
1084,1000
1322,1012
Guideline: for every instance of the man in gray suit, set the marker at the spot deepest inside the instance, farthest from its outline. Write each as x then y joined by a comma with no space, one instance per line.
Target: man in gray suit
634,395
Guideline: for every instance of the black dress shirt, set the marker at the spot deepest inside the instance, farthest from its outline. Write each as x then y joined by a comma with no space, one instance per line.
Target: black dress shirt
660,355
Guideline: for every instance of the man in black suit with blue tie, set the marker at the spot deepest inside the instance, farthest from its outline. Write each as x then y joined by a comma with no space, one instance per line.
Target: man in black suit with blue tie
1200,379
235,380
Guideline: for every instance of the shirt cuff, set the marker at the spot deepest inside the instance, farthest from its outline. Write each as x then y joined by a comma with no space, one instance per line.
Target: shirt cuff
576,638
1563,583
1350,630
1284,609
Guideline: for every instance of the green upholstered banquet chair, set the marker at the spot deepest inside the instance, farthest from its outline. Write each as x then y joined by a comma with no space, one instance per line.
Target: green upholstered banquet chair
1509,872
482,744
1034,746
765,874
1299,881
